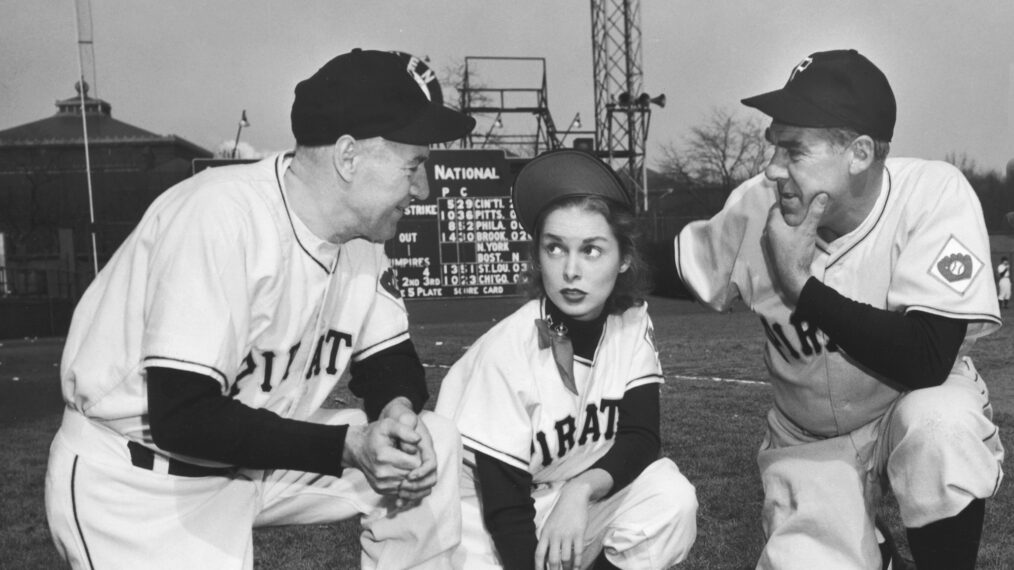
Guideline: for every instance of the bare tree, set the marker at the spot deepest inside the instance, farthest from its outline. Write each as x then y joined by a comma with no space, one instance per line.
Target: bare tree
996,195
452,83
722,152
964,163
243,150
452,78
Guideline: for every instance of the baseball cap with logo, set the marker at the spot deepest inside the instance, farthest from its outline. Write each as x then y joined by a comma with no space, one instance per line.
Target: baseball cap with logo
559,174
368,93
838,88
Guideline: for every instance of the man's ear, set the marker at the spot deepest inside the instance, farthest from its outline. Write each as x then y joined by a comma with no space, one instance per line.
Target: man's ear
344,153
862,150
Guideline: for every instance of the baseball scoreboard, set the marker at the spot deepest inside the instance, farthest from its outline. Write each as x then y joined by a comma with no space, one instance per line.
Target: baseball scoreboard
463,240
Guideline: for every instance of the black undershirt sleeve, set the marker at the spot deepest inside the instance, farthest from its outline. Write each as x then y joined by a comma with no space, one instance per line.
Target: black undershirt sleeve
508,510
665,275
914,349
188,414
392,372
637,440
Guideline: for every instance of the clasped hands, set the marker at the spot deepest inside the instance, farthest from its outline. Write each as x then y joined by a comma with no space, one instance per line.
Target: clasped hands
395,453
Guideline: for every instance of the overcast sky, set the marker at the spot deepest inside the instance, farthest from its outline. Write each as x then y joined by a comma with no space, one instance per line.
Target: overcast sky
189,67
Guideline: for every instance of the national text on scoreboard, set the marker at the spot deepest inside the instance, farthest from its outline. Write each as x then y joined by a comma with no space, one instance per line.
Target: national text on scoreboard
464,239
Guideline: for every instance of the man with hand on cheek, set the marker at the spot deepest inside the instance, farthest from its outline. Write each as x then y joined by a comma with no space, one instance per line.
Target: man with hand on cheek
868,276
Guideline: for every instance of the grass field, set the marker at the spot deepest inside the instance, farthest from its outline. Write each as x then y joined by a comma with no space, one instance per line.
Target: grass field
711,428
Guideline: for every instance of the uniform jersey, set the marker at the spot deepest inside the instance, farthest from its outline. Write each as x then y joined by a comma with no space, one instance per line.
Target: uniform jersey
221,278
923,247
509,402
1003,283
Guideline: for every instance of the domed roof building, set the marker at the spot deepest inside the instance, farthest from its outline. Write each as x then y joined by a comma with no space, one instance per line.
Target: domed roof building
46,234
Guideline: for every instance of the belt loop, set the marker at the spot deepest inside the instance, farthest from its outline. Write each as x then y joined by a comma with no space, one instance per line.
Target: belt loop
140,455
161,464
145,458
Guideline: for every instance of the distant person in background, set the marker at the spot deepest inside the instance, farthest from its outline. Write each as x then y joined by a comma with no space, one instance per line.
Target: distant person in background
198,360
558,404
869,277
1003,282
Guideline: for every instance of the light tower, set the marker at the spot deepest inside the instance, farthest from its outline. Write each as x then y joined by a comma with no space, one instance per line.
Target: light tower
622,109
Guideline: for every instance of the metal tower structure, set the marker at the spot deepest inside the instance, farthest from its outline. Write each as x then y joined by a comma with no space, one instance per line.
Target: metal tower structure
622,109
496,103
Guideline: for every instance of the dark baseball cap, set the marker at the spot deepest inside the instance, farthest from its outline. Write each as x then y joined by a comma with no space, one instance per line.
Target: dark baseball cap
838,88
559,174
368,93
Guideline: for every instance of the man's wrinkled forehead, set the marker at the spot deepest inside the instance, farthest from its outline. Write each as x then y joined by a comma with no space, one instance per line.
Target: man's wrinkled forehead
407,153
785,136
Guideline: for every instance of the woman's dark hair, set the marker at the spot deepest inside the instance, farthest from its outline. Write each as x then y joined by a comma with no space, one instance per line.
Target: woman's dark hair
633,285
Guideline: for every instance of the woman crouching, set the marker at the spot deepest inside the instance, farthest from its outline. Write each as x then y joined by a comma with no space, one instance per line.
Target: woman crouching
558,404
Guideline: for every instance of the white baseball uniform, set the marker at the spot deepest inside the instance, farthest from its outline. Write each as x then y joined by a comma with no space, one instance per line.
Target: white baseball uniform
509,402
1003,281
836,427
221,278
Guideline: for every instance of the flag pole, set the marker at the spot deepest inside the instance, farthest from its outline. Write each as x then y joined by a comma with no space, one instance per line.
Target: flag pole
84,38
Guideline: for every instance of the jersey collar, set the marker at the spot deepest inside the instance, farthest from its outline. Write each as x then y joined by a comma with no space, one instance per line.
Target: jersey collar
846,243
321,251
586,335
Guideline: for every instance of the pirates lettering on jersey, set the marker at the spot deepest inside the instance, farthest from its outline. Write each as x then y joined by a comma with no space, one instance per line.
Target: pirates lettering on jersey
333,339
600,422
807,340
264,365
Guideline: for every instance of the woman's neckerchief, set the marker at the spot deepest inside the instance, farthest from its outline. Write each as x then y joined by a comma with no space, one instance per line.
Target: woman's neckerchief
568,337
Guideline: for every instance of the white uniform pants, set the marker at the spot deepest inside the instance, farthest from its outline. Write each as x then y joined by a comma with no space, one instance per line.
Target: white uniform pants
937,446
650,524
106,513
